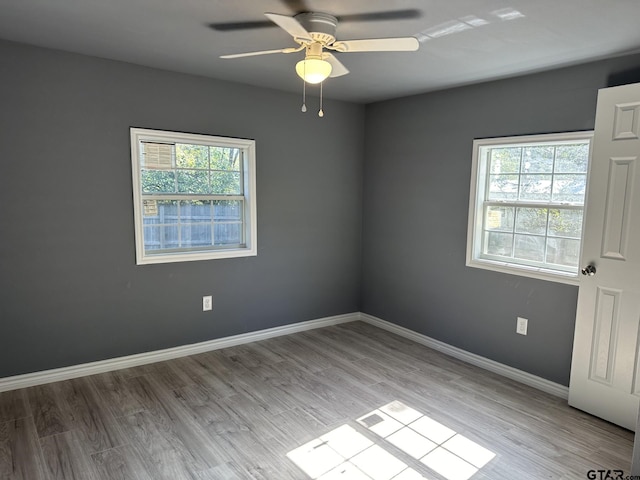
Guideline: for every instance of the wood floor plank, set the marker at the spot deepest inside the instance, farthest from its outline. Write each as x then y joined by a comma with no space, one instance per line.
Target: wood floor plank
213,371
13,405
209,412
65,458
344,403
268,398
117,396
295,352
234,378
164,453
247,411
259,457
166,422
348,380
170,374
296,427
283,380
20,454
394,359
93,422
318,341
236,413
49,411
424,359
293,393
409,382
190,372
120,463
252,355
226,471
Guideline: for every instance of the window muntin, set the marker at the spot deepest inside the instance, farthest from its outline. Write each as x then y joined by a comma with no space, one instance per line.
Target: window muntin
194,196
527,204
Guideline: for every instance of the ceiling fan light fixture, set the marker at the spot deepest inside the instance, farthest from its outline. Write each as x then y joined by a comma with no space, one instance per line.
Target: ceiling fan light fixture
313,70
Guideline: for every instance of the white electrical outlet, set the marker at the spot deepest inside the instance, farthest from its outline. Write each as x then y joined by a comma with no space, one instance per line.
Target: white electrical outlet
207,303
521,326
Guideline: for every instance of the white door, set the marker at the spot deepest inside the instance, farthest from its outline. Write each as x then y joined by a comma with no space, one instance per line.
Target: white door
605,369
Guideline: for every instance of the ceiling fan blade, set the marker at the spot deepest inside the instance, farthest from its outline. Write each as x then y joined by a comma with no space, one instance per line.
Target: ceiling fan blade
233,26
289,25
399,44
262,52
337,68
377,16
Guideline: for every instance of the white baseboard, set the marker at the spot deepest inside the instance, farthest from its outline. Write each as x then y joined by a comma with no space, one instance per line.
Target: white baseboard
482,362
74,371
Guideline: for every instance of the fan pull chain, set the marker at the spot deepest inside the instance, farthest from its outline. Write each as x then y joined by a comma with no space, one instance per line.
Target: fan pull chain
321,113
304,91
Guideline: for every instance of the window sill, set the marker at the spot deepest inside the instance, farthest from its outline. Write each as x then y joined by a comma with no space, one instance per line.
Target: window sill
523,271
195,256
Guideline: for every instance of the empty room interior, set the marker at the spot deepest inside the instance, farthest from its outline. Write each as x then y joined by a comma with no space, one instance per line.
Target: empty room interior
319,240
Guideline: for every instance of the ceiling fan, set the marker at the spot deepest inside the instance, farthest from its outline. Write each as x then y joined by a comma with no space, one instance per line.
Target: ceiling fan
315,32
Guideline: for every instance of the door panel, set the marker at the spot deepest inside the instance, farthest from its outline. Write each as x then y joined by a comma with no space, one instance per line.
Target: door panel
605,329
617,216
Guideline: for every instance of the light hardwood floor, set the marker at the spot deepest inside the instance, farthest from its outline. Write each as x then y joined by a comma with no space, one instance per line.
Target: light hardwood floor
236,413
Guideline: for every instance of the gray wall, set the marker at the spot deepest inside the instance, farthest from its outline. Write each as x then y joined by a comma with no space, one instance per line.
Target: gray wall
70,291
417,174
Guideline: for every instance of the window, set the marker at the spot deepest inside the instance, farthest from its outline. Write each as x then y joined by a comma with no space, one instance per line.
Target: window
194,196
527,203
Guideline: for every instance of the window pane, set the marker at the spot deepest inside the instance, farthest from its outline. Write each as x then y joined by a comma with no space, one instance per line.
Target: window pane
505,160
158,181
531,220
160,237
151,237
563,251
193,181
528,247
565,223
195,235
499,218
228,210
227,234
535,188
151,220
168,211
223,158
503,187
497,243
569,188
193,211
538,160
192,156
572,158
225,183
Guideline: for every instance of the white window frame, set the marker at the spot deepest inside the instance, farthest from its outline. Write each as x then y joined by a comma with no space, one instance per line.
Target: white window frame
474,257
248,150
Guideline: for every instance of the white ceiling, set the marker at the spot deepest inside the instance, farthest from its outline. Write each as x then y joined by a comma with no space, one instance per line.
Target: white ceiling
462,41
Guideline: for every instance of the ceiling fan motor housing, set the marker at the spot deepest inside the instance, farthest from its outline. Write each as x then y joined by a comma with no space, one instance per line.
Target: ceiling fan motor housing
321,26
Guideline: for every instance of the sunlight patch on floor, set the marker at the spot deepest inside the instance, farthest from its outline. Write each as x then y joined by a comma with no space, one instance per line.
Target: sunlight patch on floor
344,453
